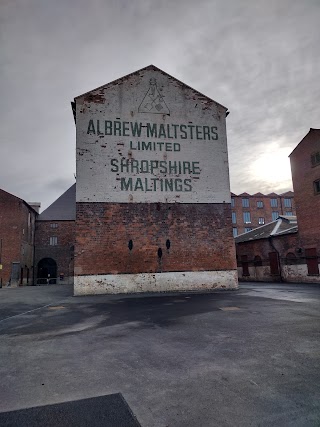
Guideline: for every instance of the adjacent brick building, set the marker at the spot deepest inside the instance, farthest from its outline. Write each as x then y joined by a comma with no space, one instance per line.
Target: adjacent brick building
54,241
265,253
305,168
252,211
153,197
288,252
17,230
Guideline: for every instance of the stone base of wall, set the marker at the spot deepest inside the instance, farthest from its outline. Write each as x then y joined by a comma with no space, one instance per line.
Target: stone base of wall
155,282
299,274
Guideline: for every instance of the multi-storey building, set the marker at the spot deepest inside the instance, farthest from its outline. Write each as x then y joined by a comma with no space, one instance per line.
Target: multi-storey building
252,211
153,196
54,241
305,169
17,229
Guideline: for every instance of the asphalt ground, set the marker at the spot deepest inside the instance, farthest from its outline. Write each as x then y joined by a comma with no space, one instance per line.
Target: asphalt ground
232,358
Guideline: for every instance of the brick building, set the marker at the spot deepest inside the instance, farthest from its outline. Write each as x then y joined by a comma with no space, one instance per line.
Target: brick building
265,253
54,241
17,230
288,252
153,196
252,211
305,169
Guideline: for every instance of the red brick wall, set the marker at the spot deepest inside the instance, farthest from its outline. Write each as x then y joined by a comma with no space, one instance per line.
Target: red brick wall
17,234
200,238
307,202
63,252
255,212
262,247
282,245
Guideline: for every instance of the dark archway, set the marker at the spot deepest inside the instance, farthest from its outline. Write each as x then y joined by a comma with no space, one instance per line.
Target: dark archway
47,266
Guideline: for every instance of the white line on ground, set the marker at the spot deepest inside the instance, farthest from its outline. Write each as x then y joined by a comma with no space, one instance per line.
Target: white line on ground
35,309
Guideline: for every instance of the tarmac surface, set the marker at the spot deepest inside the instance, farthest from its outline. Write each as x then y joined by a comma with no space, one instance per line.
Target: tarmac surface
232,358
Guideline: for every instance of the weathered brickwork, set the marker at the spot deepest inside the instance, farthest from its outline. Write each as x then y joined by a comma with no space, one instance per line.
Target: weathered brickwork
62,252
256,254
17,228
153,192
198,235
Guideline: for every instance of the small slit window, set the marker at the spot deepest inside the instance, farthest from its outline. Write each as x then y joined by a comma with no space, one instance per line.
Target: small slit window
316,186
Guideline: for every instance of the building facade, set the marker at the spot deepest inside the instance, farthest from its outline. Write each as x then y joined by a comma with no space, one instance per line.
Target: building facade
252,211
153,197
269,253
305,169
17,231
54,241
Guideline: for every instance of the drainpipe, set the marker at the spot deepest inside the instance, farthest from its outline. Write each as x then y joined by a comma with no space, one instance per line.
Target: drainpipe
279,262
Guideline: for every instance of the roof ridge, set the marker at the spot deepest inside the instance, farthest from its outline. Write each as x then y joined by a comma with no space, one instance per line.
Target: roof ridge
151,66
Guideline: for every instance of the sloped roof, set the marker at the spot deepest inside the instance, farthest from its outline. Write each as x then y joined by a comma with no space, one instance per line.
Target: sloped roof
149,67
312,130
63,209
287,193
12,196
283,225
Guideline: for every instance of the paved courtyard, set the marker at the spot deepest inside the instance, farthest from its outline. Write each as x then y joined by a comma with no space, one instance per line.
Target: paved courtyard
234,358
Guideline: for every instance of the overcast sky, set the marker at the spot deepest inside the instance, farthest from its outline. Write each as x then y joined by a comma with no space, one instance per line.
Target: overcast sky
259,58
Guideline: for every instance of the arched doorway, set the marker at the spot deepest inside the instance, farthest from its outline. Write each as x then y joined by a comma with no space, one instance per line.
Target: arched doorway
46,267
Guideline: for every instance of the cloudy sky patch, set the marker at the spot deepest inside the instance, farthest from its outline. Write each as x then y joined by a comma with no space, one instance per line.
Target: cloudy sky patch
258,58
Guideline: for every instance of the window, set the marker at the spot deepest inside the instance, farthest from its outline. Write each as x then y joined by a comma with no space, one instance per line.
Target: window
235,231
260,204
274,203
275,216
246,217
261,220
245,203
53,241
232,202
247,229
316,186
287,203
54,225
289,213
315,159
234,218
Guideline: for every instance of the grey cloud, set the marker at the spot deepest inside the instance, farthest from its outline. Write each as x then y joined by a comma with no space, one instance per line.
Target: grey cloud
258,58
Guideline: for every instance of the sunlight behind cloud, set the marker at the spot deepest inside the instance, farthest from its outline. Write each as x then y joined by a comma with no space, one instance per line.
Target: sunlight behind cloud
272,166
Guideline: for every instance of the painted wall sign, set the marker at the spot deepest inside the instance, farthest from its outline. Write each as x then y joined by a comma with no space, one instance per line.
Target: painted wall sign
150,138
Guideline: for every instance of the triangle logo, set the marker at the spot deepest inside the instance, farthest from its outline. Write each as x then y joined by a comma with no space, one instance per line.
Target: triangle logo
153,102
